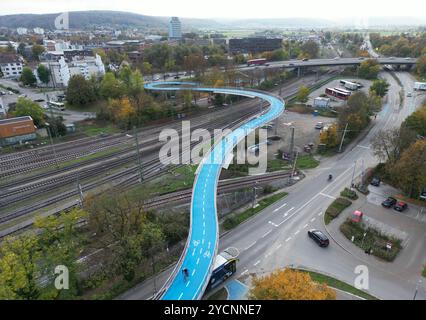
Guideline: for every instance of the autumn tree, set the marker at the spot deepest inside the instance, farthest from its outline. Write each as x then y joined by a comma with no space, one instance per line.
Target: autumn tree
37,50
388,145
409,170
123,229
303,94
310,49
330,137
417,121
289,284
421,65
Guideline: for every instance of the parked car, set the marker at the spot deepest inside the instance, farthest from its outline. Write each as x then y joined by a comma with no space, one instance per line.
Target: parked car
361,58
305,59
319,125
267,126
400,206
389,202
319,237
423,194
2,93
177,77
375,182
409,94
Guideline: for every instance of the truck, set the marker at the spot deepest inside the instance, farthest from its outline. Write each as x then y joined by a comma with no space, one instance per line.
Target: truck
419,85
350,85
224,266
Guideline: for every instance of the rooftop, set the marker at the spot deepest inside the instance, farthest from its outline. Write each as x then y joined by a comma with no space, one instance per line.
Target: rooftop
15,120
9,58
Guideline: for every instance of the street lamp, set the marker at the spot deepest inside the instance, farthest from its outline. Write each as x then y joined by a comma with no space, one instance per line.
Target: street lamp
51,143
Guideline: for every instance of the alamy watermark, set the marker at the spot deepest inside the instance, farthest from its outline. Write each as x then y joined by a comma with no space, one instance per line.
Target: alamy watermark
362,281
62,22
62,279
200,145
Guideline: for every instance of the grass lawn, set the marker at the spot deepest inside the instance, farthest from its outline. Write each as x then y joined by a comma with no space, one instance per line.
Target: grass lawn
337,284
239,218
94,128
335,208
373,240
307,162
424,271
177,179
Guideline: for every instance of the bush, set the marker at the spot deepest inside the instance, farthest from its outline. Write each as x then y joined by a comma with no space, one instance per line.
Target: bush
348,193
374,240
336,208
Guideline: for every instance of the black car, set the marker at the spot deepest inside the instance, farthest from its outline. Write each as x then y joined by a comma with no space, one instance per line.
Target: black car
400,206
389,202
375,182
319,237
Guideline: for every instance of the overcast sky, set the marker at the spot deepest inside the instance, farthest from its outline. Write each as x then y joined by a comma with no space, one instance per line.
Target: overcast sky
328,9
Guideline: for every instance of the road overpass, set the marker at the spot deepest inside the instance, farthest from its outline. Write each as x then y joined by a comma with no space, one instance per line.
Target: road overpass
203,239
291,64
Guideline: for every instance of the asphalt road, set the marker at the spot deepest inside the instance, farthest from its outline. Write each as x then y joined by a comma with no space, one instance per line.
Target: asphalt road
277,237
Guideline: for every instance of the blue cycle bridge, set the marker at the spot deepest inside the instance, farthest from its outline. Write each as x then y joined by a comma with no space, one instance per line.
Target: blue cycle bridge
203,238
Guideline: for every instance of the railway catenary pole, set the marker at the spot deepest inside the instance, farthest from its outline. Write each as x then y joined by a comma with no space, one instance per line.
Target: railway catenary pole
138,153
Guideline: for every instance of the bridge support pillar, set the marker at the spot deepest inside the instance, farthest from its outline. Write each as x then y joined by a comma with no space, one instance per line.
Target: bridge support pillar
299,72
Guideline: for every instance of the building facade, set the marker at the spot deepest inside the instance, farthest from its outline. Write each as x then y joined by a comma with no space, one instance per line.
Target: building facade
175,29
254,45
11,65
17,130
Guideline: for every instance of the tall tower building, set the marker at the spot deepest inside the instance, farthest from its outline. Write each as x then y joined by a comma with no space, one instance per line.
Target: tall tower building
175,28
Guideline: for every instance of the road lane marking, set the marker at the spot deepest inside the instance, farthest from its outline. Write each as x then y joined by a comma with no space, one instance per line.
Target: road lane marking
257,262
280,207
279,246
297,232
287,212
275,225
250,246
244,272
313,219
288,239
198,261
193,272
364,147
187,284
320,214
328,196
305,226
266,233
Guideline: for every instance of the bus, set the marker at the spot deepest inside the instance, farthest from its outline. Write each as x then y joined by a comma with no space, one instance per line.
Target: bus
338,93
224,266
350,85
256,62
57,105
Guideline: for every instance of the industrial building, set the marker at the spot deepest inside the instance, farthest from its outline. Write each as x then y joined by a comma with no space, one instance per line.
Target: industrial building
17,130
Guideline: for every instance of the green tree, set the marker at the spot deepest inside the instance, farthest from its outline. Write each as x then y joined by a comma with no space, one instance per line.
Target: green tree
369,69
37,50
135,86
43,74
19,260
303,94
408,172
380,87
417,121
111,87
80,91
26,107
28,77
